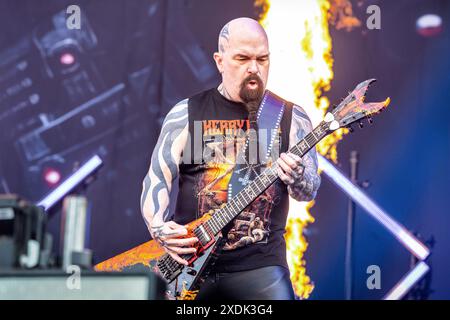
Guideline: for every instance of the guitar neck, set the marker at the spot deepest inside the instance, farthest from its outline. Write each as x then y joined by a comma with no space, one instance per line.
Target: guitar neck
255,188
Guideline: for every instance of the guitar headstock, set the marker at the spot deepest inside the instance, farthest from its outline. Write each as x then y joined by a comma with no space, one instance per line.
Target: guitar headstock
353,109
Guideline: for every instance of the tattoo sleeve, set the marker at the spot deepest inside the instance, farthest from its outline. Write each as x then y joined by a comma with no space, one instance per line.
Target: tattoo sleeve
305,188
163,169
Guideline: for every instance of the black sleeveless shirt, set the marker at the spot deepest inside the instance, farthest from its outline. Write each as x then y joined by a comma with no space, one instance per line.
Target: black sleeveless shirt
255,238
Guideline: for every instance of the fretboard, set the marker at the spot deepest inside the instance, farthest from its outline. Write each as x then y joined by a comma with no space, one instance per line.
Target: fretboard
264,180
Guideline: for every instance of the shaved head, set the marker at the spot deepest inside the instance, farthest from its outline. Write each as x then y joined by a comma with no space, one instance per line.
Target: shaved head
243,60
240,29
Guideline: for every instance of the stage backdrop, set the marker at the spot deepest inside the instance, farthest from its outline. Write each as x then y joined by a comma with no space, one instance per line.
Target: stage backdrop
104,89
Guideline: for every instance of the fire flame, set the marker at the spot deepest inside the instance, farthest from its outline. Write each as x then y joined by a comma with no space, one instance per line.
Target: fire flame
301,70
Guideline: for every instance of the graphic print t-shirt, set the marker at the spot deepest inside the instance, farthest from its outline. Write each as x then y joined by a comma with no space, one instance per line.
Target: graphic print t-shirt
255,238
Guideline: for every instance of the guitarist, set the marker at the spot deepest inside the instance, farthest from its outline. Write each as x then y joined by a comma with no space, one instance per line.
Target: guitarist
253,262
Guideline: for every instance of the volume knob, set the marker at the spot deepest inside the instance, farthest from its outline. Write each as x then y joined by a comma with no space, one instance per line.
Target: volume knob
191,272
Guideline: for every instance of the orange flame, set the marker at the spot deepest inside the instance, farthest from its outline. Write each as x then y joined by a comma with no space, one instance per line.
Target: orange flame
341,15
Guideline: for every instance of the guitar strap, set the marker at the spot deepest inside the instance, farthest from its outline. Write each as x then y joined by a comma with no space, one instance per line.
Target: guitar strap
268,120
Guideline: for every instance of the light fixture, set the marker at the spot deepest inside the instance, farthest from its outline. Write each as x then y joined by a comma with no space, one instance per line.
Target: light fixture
71,182
417,248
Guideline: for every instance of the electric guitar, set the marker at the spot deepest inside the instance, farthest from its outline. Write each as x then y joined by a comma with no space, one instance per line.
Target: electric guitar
183,282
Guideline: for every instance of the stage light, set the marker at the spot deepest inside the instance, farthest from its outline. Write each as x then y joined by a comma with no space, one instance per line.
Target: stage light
52,176
67,58
71,182
429,25
407,282
410,242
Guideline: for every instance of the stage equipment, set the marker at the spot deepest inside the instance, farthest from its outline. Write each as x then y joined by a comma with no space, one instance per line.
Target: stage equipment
408,240
79,176
74,213
23,242
73,232
350,226
429,25
80,285
408,282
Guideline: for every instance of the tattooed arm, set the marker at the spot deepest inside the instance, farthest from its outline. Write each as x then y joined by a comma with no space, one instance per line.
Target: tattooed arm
158,183
300,174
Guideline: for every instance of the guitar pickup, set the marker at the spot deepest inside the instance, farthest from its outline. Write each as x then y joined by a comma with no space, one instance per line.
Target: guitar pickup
204,236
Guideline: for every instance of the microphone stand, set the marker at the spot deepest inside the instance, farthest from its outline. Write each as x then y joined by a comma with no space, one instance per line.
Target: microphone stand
354,158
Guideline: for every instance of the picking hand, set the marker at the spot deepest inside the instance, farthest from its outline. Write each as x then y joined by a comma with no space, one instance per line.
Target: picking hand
168,236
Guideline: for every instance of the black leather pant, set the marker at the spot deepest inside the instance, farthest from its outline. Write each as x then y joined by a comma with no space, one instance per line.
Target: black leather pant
267,283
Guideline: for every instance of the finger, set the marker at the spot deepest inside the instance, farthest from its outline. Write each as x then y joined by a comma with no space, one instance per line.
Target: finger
286,168
181,242
177,258
285,178
300,164
298,168
295,157
290,161
180,250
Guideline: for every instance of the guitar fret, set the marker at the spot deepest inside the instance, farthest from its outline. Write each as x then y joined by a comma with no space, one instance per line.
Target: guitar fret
246,192
215,229
210,226
250,195
261,186
243,196
257,186
215,222
306,142
238,206
233,205
229,216
238,200
220,219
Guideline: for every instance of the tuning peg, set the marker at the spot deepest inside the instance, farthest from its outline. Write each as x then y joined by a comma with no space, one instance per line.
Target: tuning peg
361,125
350,129
370,120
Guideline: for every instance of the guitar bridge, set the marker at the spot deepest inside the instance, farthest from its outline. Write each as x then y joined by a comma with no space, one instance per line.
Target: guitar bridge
169,268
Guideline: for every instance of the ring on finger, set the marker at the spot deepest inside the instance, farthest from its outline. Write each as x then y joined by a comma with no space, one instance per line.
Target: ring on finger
162,242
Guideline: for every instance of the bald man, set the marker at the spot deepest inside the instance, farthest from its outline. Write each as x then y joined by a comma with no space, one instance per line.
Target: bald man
253,262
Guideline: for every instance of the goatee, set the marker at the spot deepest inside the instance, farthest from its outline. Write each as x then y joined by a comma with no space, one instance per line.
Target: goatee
252,97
